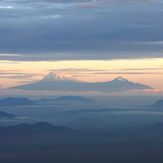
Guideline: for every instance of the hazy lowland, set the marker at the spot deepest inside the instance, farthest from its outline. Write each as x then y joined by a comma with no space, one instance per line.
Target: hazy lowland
71,129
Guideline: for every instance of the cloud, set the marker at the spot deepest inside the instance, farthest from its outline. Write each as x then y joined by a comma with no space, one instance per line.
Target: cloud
50,17
10,55
15,75
139,69
87,72
18,75
6,7
151,43
65,30
129,73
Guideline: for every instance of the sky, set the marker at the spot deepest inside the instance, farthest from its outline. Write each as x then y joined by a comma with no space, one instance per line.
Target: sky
89,40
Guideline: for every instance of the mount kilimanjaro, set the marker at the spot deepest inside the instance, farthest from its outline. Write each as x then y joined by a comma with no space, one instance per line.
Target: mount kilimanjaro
55,82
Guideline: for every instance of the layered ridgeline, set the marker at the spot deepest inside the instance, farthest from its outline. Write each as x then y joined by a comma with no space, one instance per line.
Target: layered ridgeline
21,101
59,83
158,104
32,133
13,101
4,115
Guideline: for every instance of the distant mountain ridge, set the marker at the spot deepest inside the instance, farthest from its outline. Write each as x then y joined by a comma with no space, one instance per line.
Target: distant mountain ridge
58,83
74,99
39,128
4,115
158,104
12,101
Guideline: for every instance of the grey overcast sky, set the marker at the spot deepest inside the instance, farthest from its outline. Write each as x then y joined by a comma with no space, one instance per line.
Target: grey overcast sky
80,29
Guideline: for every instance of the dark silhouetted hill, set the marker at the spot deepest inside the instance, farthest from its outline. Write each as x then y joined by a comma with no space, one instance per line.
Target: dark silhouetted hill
40,129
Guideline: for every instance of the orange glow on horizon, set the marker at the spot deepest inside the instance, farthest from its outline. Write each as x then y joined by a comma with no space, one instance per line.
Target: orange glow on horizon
147,71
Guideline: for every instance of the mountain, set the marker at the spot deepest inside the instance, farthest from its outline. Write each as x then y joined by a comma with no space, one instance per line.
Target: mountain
4,115
37,129
11,101
53,77
74,99
158,104
59,83
65,99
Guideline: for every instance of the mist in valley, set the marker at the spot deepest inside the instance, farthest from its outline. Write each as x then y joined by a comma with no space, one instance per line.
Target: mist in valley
82,129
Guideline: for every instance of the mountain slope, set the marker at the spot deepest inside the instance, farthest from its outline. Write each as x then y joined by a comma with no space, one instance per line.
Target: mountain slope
4,115
11,101
74,99
39,127
158,104
57,83
40,131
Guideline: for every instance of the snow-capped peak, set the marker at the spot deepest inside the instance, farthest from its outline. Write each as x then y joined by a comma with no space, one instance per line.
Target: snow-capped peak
120,79
51,76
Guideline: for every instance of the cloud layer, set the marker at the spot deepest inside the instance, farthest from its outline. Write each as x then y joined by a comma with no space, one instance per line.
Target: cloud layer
80,29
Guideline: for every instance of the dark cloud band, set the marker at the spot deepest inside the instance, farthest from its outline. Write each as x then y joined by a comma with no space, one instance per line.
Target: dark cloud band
65,30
